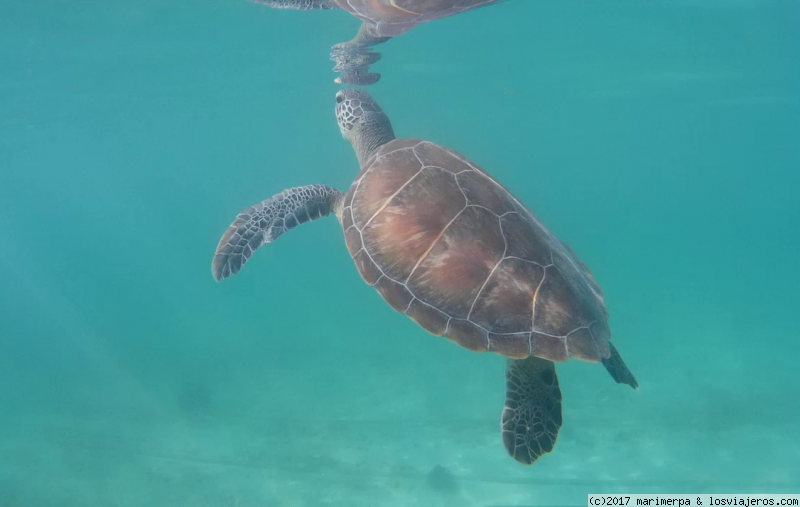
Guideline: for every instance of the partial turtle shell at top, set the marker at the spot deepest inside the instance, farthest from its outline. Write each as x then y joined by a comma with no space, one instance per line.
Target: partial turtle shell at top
390,18
447,245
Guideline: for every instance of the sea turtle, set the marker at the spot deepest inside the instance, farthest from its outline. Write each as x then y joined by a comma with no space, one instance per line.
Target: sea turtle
452,249
381,20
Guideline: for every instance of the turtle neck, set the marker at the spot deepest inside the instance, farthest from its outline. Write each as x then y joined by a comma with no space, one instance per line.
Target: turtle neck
372,134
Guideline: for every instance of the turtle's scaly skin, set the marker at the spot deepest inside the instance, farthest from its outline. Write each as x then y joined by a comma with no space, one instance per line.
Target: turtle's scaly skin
390,18
445,244
267,221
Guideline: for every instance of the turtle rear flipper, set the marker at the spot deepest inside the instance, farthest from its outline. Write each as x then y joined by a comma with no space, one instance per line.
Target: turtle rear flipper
532,414
618,369
267,220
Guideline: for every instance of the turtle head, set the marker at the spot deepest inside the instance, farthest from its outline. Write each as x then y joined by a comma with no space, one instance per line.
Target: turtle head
362,122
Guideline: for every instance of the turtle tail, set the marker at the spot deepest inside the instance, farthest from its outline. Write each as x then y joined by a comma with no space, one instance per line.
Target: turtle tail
618,369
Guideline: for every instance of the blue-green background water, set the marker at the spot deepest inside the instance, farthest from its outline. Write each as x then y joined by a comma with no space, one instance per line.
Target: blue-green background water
661,140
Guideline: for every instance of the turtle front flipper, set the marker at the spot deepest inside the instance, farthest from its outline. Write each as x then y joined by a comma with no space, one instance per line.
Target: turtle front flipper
297,5
264,222
532,414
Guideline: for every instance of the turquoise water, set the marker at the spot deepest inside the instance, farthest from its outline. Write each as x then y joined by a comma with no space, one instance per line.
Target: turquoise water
659,140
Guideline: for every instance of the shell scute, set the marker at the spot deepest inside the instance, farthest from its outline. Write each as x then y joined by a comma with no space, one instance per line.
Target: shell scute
369,271
403,231
526,240
380,181
581,345
482,191
571,266
515,345
547,347
505,304
396,294
602,337
560,307
347,218
397,144
428,317
452,273
352,239
433,155
468,335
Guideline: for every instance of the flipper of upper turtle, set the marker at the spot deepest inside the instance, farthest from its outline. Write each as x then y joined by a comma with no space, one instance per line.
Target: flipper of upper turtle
445,244
381,20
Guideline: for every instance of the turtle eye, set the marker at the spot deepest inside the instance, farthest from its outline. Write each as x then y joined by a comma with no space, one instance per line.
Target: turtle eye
339,98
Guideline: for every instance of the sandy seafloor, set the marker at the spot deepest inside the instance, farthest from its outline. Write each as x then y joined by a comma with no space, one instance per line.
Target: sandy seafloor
350,447
659,140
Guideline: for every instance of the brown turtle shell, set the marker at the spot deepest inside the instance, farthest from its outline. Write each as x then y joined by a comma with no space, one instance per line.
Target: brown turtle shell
445,244
390,18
